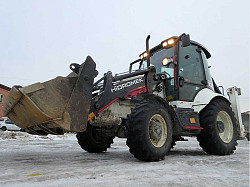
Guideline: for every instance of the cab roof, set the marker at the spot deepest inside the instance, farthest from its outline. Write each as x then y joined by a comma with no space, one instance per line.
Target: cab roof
158,47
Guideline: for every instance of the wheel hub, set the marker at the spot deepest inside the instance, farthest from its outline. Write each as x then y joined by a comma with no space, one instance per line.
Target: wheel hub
155,131
225,126
220,126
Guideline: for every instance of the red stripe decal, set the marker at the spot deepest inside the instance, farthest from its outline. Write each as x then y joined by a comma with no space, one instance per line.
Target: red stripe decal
175,82
137,88
135,92
192,127
107,105
175,73
175,58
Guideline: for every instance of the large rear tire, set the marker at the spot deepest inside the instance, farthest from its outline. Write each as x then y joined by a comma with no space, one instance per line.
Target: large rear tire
219,133
149,131
92,141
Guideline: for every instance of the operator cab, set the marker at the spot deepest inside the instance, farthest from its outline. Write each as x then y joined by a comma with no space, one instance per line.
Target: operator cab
184,63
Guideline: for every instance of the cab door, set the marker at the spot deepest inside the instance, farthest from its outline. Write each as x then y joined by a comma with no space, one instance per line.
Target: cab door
191,74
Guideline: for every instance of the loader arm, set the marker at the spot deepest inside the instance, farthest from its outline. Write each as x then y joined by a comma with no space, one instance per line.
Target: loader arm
67,103
121,87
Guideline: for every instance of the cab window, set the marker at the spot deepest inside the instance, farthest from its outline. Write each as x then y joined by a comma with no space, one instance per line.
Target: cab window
156,60
207,71
191,71
190,65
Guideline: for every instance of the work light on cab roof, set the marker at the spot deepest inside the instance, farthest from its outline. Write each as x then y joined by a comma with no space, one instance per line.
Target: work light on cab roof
143,55
167,43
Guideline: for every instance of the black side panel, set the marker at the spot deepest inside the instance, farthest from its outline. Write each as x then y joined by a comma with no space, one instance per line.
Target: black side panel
189,121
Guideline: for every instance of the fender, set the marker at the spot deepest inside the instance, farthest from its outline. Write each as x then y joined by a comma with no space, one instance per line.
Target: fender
204,97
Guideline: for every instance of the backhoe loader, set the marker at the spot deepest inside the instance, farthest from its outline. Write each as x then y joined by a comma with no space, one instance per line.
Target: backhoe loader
168,93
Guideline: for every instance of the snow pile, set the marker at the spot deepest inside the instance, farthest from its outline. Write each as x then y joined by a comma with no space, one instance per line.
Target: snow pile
16,135
66,136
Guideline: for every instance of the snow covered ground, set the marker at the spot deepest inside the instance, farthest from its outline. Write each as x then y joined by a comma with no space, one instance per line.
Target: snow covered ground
28,160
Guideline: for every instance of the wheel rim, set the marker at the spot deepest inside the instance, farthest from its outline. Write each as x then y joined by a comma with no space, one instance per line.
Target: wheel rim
157,130
225,126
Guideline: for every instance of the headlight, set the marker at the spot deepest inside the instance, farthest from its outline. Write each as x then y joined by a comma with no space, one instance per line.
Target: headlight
166,61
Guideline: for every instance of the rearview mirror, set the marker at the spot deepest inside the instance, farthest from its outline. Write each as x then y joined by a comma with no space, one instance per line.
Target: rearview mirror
185,40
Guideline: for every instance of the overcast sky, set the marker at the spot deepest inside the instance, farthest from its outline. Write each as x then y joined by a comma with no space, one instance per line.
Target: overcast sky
40,38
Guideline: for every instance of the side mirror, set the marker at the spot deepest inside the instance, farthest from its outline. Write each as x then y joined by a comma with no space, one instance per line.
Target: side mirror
185,40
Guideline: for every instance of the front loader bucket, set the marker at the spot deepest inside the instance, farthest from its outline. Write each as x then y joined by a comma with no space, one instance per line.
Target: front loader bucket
63,102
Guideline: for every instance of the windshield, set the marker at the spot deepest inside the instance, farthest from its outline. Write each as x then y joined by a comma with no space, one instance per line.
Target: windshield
156,61
8,122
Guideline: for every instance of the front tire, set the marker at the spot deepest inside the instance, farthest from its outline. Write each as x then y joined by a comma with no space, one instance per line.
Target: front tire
219,133
149,131
92,141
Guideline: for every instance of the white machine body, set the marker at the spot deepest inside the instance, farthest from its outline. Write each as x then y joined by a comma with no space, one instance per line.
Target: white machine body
204,97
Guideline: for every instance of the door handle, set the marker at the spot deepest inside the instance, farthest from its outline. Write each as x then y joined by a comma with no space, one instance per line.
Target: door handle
181,81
